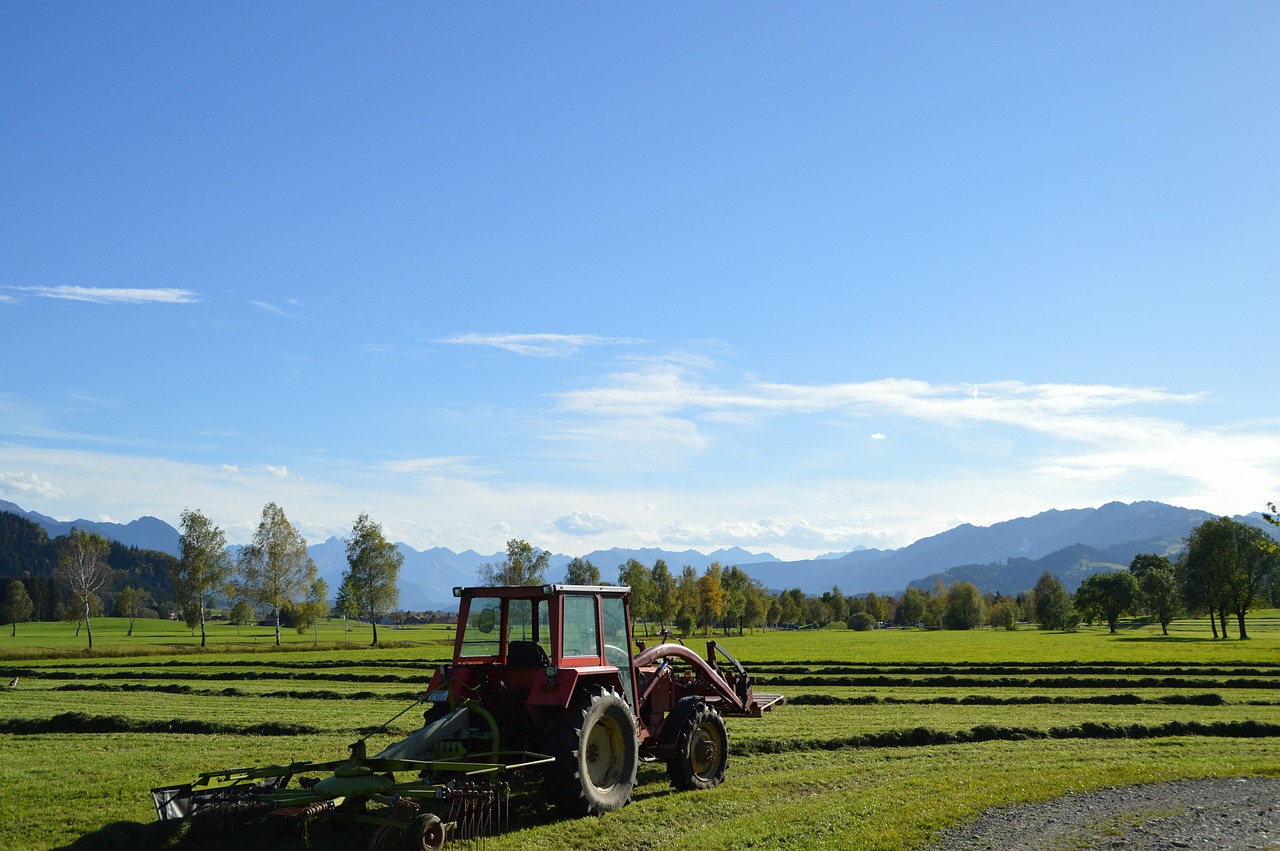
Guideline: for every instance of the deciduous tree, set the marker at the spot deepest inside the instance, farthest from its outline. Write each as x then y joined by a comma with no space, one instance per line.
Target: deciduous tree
664,594
203,568
580,571
18,607
1157,587
370,586
1052,605
1227,565
308,613
522,566
687,599
131,603
242,614
644,603
1003,615
83,570
965,607
275,570
1108,596
910,610
710,595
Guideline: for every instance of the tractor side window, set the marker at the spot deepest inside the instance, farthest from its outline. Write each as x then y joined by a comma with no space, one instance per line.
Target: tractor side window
581,630
484,627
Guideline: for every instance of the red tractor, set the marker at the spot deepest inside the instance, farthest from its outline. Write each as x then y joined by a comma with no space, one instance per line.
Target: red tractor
543,681
551,668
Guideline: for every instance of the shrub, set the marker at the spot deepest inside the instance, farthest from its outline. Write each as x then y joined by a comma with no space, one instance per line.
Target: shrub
862,622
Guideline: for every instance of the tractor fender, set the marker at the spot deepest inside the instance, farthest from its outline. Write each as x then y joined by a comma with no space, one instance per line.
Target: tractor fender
559,690
665,740
554,691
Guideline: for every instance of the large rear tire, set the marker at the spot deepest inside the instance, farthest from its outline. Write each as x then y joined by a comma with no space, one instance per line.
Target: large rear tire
597,754
702,750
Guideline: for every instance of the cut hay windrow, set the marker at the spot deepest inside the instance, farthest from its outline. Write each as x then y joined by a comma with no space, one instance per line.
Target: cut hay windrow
80,722
925,737
1026,700
246,676
1020,682
175,688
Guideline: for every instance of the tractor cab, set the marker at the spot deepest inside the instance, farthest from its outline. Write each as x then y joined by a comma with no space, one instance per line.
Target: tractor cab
542,641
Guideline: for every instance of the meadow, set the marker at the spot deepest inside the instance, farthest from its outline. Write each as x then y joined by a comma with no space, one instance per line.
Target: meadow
887,737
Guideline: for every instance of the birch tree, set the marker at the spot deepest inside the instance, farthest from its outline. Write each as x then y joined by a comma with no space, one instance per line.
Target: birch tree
203,569
83,569
275,570
370,586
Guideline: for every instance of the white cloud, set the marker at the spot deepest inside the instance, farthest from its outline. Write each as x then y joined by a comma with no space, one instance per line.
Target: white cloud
29,484
234,469
879,436
268,307
537,345
582,523
279,472
109,295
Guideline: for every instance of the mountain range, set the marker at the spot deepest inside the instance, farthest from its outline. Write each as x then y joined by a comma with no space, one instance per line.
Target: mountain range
1006,557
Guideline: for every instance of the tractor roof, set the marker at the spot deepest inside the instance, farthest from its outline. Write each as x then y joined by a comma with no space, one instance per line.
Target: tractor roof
526,591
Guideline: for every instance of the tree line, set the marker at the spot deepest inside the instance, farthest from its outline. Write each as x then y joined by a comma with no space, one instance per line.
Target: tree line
272,575
1226,569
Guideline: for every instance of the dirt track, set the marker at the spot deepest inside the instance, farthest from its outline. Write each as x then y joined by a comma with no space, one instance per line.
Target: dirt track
1224,815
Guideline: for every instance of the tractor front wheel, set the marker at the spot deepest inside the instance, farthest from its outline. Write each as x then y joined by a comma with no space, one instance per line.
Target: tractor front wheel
596,748
702,750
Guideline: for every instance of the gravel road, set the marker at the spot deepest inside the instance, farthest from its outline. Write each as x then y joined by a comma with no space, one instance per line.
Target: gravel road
1224,815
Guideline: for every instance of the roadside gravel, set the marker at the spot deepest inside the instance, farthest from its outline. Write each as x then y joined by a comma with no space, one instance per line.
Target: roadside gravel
1220,814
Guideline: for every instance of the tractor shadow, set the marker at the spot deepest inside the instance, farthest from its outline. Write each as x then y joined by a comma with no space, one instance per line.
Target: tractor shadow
527,807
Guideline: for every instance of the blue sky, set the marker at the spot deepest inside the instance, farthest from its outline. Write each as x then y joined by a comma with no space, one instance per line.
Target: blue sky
791,277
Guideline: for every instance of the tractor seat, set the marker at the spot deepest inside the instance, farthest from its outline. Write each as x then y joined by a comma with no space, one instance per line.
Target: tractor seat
526,654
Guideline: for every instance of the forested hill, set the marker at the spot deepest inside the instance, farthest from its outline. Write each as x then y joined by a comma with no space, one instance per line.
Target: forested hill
28,553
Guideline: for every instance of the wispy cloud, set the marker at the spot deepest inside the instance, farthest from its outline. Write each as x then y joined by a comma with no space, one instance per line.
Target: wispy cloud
277,309
765,532
445,465
537,345
279,472
113,295
1121,437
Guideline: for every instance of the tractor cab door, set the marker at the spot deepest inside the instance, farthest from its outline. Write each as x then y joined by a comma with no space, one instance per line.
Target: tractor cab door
596,627
617,645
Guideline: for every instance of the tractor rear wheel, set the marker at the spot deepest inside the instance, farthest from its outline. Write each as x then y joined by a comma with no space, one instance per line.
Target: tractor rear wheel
702,750
596,748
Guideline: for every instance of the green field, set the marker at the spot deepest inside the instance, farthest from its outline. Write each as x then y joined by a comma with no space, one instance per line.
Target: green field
889,736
